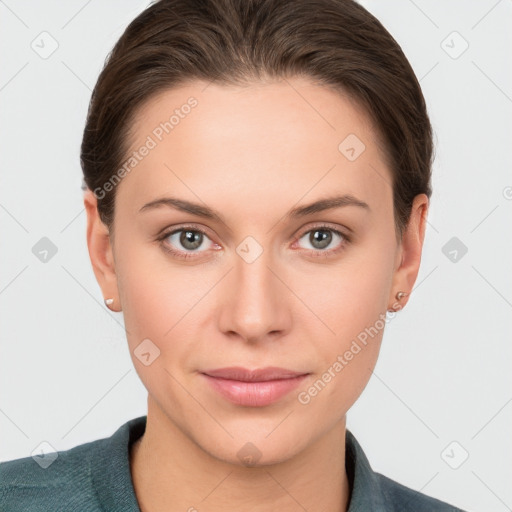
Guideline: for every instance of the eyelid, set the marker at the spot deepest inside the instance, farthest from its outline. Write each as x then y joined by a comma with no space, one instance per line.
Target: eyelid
182,227
327,226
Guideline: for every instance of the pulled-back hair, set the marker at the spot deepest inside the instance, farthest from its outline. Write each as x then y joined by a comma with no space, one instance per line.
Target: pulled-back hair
337,43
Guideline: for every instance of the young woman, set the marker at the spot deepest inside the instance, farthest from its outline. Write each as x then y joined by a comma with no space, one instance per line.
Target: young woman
257,181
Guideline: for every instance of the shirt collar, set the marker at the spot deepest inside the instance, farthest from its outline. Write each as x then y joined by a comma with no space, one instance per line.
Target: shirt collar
366,493
110,468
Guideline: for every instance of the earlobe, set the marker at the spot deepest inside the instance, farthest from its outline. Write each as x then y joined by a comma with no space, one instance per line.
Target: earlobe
410,250
101,251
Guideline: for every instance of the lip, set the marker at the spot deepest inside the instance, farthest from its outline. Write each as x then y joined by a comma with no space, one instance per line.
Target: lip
253,388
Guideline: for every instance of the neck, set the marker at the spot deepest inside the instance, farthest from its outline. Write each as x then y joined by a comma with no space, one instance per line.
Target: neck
170,472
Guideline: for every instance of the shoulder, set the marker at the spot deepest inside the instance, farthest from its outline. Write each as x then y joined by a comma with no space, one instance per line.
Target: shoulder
90,477
371,490
52,481
399,498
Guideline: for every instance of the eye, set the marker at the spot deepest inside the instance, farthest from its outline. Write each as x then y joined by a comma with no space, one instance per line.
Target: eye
184,242
321,237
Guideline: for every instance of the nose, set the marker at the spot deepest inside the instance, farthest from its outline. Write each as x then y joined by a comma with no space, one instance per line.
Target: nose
256,301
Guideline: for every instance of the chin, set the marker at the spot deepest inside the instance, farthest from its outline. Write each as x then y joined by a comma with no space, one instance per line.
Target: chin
251,447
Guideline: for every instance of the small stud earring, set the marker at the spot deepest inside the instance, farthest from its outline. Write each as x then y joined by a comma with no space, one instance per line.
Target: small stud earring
108,302
398,296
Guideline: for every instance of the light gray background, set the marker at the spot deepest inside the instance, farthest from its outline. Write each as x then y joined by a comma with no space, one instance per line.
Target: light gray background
444,371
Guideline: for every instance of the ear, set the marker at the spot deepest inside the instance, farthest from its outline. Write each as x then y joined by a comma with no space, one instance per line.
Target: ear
409,253
101,251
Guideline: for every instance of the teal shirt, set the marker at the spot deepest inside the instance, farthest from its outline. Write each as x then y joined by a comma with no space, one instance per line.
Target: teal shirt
95,476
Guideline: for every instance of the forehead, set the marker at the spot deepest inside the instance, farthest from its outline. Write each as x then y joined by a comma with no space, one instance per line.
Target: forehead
281,140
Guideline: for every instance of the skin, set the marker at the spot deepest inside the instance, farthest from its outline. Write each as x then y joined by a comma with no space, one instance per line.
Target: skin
252,153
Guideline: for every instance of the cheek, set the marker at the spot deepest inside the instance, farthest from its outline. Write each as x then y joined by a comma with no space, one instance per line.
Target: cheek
161,302
151,290
351,296
346,357
152,313
351,302
150,304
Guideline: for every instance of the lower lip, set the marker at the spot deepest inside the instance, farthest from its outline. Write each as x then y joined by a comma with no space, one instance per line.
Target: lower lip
254,394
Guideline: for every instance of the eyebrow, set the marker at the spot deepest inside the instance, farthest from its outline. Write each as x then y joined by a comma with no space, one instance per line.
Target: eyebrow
300,211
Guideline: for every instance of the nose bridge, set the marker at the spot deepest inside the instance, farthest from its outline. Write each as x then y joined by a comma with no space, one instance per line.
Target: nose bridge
256,305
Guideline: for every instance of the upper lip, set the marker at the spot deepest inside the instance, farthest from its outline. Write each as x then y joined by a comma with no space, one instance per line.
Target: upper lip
258,375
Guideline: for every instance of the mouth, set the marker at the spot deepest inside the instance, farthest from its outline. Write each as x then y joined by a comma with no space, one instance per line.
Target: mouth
253,388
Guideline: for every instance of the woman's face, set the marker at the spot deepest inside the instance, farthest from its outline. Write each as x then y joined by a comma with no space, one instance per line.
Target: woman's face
270,283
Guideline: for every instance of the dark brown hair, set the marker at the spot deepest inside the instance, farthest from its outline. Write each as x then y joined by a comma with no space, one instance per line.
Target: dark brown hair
336,43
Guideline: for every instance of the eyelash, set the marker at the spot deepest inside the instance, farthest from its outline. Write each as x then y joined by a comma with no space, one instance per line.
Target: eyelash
316,253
